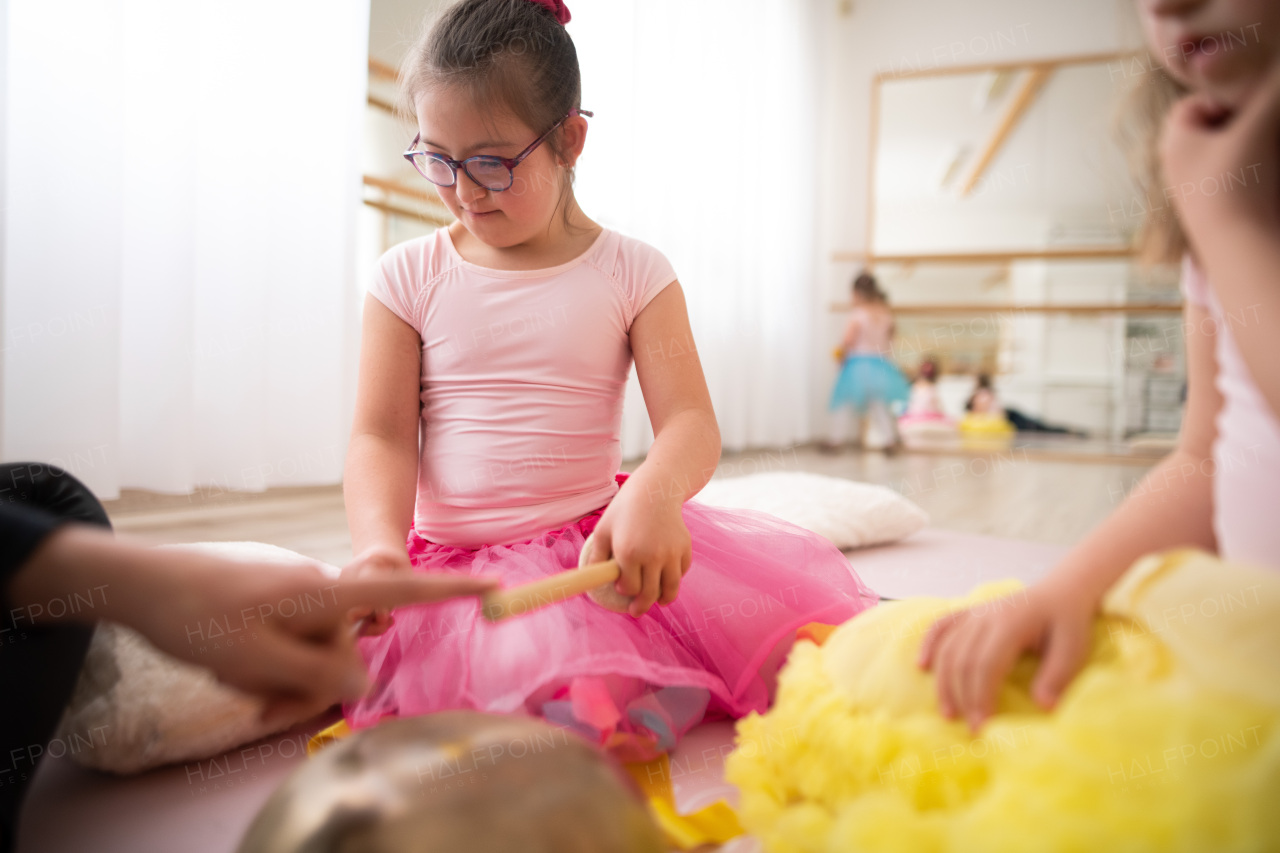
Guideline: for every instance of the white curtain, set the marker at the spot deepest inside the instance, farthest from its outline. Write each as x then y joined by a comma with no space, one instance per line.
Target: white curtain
704,144
180,192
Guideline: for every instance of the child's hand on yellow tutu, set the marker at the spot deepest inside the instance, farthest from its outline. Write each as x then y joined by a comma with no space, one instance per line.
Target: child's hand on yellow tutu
972,651
651,544
375,560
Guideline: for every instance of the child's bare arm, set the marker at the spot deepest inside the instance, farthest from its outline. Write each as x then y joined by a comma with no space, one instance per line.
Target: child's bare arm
686,443
851,331
301,663
381,474
1173,505
643,527
972,652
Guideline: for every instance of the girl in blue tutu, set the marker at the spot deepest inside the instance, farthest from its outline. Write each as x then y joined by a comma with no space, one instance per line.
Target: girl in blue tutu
870,390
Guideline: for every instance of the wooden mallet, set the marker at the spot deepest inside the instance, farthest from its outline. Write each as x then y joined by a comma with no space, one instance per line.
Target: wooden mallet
503,603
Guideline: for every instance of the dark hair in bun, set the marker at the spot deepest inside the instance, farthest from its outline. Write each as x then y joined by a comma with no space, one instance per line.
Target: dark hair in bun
510,57
866,286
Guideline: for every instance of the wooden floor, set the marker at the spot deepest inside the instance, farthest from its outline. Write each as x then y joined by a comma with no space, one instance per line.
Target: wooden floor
1014,493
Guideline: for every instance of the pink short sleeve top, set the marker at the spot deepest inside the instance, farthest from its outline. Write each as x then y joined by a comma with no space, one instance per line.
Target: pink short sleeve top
1246,451
875,332
523,374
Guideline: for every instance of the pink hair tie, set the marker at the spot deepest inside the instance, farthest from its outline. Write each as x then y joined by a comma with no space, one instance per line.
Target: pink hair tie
557,8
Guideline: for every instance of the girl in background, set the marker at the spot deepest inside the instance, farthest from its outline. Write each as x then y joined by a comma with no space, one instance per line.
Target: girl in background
984,417
984,404
870,388
924,405
494,358
924,418
1214,112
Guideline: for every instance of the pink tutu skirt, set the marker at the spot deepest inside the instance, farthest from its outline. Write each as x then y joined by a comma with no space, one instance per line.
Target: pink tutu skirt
633,685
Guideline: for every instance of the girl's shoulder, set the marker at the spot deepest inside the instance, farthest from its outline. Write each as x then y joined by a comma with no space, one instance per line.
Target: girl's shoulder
864,315
638,270
421,259
406,271
620,255
877,314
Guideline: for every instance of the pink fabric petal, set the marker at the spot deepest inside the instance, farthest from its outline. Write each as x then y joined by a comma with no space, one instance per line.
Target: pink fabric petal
592,703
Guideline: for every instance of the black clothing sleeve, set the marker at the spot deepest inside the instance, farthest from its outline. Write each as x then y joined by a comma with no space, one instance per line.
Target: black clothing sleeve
39,663
21,532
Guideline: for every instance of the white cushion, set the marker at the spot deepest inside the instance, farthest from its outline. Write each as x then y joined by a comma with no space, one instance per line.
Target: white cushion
850,514
145,708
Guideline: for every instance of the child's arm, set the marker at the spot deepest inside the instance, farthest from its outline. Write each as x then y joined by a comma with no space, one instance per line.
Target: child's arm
851,331
301,663
380,482
1235,232
971,651
643,526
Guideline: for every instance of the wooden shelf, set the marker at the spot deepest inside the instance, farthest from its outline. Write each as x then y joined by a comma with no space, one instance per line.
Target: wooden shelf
1011,65
397,188
409,213
429,209
1066,253
979,308
382,70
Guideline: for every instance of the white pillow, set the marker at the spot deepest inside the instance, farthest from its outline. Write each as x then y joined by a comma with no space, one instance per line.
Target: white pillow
850,514
135,707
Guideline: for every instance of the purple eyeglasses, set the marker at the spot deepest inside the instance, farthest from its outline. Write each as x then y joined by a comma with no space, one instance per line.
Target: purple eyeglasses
493,173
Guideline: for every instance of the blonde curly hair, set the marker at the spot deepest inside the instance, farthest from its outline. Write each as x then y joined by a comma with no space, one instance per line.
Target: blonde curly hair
1160,237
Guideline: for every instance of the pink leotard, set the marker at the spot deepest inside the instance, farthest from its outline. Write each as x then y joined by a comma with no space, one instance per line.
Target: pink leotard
523,374
1246,452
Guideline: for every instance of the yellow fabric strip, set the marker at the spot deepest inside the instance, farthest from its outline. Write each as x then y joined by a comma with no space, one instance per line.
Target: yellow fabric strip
715,824
815,632
653,778
324,737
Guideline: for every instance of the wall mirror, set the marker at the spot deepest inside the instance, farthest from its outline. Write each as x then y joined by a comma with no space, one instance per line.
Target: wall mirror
1001,219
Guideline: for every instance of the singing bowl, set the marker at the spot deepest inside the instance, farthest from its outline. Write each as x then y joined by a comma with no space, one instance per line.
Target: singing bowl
454,781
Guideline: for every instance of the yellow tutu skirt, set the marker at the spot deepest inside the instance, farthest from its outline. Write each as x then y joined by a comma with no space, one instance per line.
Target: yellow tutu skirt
977,423
1168,740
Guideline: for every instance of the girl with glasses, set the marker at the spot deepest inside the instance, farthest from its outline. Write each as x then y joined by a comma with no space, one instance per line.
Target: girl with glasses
494,359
